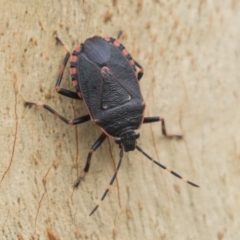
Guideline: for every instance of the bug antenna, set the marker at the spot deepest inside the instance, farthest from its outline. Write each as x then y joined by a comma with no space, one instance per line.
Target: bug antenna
165,168
111,182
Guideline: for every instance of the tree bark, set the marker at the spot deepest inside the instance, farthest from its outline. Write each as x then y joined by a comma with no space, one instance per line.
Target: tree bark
190,54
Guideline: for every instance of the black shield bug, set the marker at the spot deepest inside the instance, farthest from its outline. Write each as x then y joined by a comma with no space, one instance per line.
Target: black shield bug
105,77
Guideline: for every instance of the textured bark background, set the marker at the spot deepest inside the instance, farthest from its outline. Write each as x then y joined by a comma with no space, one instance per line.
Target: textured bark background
190,52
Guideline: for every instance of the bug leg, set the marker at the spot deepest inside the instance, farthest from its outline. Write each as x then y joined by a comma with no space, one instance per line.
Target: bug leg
119,34
88,162
62,91
140,72
79,120
164,131
110,184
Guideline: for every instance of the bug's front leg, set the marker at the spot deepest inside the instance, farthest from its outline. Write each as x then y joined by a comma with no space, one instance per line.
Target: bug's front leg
63,91
164,131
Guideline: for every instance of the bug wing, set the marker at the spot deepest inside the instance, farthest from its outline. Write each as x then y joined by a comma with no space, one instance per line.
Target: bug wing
113,93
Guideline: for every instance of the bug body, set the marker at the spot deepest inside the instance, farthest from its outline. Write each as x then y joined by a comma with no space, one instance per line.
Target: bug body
106,78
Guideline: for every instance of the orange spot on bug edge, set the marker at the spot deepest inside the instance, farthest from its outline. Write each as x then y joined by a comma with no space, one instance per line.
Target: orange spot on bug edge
73,70
132,62
75,83
78,49
125,52
73,58
107,39
116,43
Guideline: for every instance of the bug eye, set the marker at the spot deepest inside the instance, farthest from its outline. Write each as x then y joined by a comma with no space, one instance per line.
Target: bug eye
137,135
118,140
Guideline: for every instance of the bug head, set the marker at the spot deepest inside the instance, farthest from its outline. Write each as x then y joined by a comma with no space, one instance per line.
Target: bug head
127,139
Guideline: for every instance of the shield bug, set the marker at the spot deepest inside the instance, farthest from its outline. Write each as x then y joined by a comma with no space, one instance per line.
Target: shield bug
106,78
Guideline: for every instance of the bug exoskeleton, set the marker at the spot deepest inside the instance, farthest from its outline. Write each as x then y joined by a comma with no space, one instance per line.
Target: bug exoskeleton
106,78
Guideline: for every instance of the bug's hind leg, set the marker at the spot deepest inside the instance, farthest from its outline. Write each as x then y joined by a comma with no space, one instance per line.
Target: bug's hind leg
88,162
79,120
63,91
164,131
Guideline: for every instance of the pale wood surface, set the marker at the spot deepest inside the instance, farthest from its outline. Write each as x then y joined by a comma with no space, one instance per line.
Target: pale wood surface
190,52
